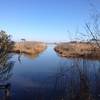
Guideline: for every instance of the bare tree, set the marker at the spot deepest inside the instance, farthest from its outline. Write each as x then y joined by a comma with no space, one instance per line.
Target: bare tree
93,27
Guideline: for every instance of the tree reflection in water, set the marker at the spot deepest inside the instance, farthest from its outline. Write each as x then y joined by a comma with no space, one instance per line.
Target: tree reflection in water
5,73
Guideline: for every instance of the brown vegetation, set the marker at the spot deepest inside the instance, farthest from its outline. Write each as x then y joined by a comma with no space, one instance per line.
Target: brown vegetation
88,50
28,47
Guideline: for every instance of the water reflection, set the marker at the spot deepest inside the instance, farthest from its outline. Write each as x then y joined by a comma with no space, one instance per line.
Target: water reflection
75,83
30,56
52,78
80,81
5,73
19,58
6,89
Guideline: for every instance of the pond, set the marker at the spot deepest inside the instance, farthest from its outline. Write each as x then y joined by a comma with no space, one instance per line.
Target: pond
47,76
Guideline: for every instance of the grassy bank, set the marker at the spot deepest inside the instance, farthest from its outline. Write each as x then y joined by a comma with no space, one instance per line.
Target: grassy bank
86,50
29,47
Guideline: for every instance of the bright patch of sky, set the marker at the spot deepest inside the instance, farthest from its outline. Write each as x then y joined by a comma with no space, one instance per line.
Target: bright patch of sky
45,20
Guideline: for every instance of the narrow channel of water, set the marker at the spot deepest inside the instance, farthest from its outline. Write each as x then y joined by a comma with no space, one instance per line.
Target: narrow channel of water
50,77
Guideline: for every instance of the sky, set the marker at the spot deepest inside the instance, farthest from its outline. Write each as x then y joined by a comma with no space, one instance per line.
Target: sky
45,20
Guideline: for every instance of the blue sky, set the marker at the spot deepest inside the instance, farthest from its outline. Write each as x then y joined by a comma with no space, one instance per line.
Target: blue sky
44,20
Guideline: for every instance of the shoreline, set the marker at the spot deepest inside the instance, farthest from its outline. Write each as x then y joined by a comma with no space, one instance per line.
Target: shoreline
78,50
28,47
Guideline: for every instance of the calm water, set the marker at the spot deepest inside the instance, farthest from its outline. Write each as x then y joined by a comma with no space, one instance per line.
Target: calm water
49,77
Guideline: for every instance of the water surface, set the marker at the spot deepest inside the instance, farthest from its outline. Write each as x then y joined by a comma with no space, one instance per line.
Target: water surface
50,77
